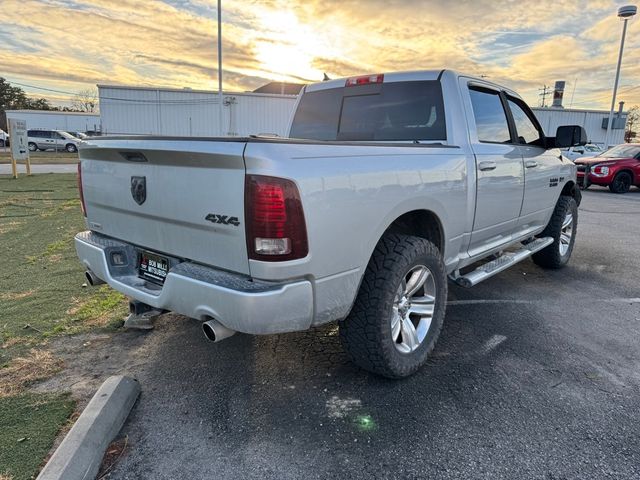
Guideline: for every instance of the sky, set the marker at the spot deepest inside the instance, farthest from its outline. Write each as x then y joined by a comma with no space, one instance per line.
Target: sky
72,45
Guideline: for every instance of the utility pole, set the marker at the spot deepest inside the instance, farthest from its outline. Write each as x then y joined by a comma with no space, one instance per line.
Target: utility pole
544,91
221,106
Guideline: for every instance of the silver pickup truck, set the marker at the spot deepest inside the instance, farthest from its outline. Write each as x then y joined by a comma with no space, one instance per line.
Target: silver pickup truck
389,186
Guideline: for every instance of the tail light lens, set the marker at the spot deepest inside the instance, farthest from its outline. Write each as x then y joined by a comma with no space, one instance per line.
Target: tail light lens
275,226
82,205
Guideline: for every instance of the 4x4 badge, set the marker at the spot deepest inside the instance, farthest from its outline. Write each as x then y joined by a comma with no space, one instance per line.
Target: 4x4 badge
139,189
222,219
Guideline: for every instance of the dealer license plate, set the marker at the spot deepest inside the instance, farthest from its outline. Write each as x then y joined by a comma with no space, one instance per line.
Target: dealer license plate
153,267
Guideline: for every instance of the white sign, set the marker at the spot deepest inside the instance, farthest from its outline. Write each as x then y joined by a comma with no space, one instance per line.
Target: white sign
19,144
18,139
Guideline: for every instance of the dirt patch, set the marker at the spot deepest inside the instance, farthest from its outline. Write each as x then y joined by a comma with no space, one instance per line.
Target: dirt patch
5,477
22,371
89,358
16,296
114,451
6,228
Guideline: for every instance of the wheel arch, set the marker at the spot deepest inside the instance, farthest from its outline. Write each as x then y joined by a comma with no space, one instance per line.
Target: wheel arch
420,223
570,189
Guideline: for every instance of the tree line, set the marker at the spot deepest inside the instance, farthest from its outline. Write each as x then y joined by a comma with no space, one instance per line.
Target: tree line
15,98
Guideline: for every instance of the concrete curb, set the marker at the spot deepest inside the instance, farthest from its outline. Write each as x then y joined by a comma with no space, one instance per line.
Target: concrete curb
80,454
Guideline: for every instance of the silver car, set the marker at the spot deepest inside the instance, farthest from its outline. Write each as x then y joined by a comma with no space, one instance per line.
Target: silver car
52,140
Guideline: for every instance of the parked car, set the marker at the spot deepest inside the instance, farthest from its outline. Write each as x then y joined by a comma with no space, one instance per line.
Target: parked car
52,140
618,168
4,138
588,150
389,186
78,135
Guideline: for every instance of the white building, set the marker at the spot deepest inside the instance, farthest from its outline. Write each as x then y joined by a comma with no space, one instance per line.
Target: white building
186,112
593,122
53,120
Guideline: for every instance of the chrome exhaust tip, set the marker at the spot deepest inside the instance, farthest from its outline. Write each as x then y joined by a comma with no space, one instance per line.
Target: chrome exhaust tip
215,331
92,279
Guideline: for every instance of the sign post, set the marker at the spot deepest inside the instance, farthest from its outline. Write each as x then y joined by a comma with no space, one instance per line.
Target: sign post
19,145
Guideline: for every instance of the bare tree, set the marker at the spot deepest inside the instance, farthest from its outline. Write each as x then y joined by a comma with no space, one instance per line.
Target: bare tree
85,100
633,118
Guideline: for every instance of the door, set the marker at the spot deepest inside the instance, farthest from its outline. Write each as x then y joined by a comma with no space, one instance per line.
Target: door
499,169
45,140
540,167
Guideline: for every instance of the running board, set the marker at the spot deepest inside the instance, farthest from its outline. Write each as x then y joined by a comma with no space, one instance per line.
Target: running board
503,262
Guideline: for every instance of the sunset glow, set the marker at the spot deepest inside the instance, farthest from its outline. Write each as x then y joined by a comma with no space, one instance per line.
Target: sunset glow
73,44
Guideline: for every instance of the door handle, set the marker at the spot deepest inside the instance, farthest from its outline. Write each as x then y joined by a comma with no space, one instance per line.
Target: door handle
530,164
488,165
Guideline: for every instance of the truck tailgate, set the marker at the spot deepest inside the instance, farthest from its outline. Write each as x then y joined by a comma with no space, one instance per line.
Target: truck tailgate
171,196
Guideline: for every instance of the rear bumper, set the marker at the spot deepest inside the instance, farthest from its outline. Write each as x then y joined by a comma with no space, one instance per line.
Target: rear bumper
236,301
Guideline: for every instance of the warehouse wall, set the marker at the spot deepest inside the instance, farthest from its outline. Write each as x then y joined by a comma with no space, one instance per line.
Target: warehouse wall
67,121
591,120
134,110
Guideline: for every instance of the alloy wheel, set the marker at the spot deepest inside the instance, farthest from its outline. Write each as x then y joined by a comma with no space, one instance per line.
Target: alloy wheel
413,309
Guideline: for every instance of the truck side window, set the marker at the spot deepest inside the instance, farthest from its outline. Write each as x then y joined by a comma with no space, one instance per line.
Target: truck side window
526,130
491,119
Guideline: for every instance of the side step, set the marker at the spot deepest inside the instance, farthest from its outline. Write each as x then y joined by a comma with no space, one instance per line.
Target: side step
503,262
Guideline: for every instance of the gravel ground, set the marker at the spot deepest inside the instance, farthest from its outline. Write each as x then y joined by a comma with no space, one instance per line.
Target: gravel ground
536,375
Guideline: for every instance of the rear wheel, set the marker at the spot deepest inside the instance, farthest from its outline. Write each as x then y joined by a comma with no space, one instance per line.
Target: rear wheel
621,183
32,147
562,228
400,307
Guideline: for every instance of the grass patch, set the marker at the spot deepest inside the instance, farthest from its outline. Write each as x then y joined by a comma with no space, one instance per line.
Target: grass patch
42,278
30,424
38,158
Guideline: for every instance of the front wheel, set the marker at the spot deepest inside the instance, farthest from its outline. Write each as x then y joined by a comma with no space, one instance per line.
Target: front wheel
32,147
400,307
621,183
562,228
71,148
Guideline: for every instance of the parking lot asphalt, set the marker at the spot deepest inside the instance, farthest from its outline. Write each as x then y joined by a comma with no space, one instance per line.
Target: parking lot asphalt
536,375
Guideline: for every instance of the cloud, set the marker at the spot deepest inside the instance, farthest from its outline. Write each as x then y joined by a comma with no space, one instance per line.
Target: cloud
75,43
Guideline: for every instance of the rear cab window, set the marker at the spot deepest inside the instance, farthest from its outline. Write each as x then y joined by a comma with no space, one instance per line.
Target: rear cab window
395,111
490,116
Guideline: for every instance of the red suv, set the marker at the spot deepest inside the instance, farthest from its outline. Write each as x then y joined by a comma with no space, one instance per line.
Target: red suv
618,168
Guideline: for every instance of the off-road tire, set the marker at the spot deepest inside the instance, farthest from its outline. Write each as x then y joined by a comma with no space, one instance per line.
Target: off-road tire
550,256
621,183
366,332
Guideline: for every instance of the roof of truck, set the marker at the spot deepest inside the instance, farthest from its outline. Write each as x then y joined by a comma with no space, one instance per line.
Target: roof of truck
408,76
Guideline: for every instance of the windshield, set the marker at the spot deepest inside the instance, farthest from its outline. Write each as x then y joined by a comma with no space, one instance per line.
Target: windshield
620,151
592,148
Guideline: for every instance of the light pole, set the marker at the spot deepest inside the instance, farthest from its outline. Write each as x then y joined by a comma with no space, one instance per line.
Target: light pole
221,106
624,13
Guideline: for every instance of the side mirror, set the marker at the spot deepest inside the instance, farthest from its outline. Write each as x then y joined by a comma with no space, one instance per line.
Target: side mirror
570,136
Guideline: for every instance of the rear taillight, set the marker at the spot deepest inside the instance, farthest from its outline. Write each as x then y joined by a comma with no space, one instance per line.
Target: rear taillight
82,205
364,80
274,219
